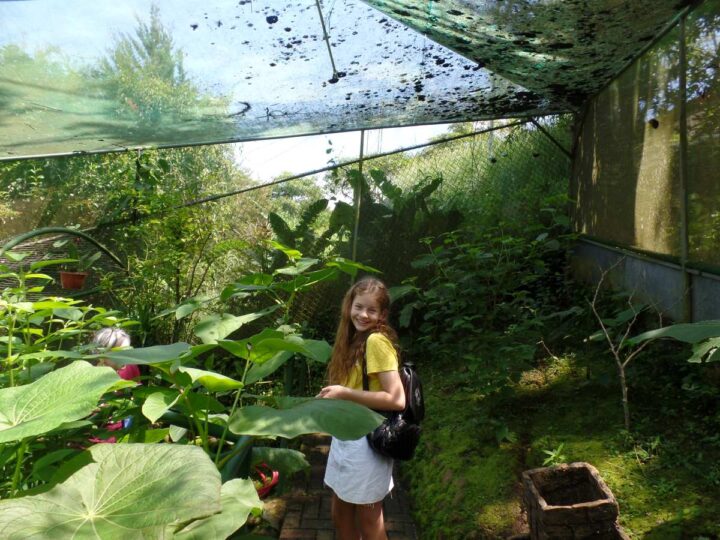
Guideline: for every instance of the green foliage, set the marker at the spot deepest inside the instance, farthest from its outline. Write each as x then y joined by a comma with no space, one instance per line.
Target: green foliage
174,253
61,396
502,176
392,220
149,490
35,332
482,291
145,77
555,456
49,413
693,333
465,485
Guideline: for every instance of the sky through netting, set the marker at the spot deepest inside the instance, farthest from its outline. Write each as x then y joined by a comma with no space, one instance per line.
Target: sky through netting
95,76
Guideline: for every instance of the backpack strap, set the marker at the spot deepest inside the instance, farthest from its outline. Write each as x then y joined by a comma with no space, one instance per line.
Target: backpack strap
366,382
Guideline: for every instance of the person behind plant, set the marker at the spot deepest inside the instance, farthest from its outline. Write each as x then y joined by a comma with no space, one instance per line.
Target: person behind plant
360,477
110,338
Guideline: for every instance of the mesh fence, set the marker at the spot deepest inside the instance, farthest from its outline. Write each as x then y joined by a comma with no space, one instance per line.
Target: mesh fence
492,178
504,176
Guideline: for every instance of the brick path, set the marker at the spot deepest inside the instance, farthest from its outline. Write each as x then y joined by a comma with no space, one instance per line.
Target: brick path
306,508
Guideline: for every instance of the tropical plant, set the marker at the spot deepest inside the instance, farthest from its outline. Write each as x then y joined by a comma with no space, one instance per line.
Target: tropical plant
392,220
50,415
479,293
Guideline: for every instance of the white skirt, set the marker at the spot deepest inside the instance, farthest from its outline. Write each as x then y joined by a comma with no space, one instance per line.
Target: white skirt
356,473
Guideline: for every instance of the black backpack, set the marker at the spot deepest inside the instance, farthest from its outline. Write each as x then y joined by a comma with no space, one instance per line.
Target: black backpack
398,436
414,401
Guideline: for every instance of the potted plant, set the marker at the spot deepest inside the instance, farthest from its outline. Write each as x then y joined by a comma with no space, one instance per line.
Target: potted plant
73,274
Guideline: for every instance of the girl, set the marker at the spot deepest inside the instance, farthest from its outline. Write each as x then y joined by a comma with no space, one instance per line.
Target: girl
359,477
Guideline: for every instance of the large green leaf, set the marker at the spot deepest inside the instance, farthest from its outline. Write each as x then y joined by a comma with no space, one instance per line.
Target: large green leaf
342,419
292,254
238,498
156,354
284,460
247,284
281,229
303,282
40,355
317,350
219,326
299,267
67,394
396,293
258,372
343,215
127,491
157,403
350,267
200,402
265,346
687,332
708,351
215,382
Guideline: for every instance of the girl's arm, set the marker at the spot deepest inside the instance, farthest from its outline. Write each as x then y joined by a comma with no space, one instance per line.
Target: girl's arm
390,398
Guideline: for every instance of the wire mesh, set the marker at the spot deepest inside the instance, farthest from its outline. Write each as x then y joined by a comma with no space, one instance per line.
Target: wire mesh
504,178
496,178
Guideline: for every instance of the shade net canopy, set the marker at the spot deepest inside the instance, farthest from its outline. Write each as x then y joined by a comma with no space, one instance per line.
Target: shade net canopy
92,76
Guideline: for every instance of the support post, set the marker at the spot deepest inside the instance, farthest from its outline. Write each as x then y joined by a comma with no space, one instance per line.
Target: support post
683,177
358,195
552,139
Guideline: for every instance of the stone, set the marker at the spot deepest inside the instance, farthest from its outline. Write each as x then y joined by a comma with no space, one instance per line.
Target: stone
569,501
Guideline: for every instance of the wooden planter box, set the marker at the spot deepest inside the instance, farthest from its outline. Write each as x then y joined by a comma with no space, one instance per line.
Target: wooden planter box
570,502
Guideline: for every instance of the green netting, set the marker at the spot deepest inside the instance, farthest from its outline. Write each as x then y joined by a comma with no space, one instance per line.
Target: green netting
628,171
628,156
88,76
703,134
564,51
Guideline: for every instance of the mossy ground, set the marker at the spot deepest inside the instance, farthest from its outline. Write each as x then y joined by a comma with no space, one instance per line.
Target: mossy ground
465,478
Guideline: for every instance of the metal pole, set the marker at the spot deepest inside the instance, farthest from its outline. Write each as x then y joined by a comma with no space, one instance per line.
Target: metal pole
683,177
358,194
211,198
326,38
218,196
553,139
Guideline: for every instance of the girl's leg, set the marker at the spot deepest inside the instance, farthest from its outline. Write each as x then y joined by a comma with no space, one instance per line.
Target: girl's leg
343,515
371,521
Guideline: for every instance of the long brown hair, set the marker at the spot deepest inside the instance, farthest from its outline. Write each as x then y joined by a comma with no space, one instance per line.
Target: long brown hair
349,345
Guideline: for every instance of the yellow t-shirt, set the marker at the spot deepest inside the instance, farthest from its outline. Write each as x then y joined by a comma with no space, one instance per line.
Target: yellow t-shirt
381,356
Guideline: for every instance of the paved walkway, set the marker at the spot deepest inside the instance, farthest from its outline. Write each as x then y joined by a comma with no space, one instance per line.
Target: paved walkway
304,512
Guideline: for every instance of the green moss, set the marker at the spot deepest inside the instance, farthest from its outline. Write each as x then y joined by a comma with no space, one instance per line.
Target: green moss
466,485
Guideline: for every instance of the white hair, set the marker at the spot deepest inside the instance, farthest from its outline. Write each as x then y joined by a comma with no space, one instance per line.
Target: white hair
110,338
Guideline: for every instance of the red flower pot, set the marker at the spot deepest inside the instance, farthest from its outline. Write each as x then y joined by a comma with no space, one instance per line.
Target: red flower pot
72,280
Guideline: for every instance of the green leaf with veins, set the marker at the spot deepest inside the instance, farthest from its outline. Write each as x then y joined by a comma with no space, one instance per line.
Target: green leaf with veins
239,498
125,491
215,382
342,419
64,395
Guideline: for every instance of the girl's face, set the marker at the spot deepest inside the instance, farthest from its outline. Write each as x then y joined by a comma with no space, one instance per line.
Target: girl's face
365,312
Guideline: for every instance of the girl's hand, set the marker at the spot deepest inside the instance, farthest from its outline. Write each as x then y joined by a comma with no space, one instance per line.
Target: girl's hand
334,391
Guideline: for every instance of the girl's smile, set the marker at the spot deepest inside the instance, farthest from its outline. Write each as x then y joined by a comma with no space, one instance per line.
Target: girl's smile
365,312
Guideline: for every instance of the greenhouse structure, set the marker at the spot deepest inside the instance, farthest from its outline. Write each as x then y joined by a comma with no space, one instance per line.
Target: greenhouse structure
558,224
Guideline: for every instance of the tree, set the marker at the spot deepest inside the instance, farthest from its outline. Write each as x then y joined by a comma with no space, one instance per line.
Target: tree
145,76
